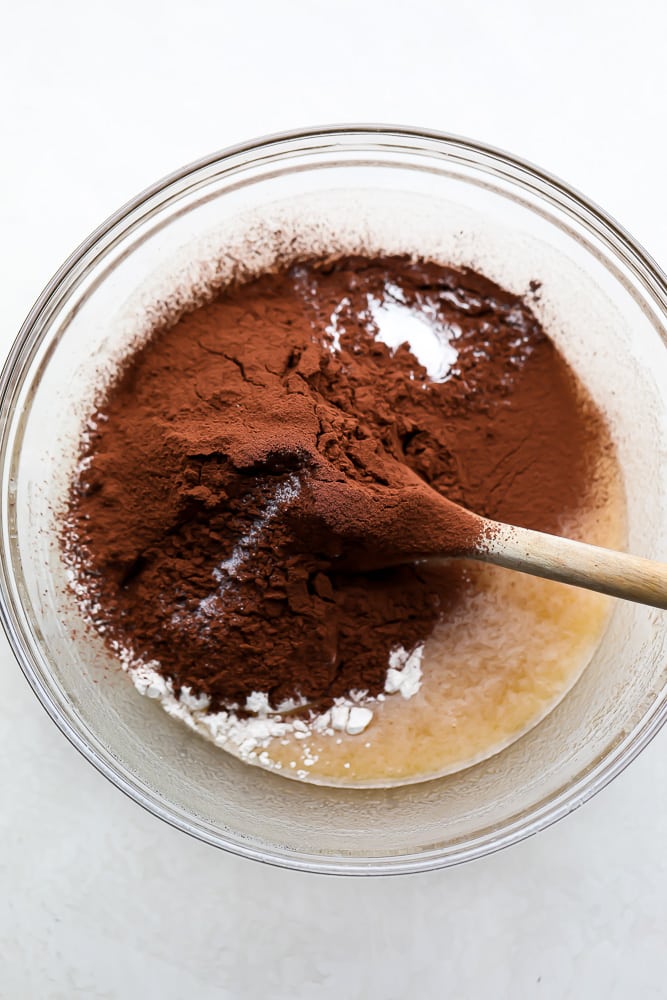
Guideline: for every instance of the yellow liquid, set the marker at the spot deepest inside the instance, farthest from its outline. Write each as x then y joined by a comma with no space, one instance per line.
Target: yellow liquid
491,672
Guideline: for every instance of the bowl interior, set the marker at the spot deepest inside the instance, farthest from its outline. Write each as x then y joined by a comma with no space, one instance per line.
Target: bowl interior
237,214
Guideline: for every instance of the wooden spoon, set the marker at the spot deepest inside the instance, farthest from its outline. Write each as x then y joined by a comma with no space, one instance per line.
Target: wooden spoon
378,526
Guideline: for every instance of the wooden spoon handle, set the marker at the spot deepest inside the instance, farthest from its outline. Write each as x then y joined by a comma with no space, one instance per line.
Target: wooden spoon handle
615,573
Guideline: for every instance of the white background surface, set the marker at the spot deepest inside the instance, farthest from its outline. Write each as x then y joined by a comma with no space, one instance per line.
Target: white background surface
99,899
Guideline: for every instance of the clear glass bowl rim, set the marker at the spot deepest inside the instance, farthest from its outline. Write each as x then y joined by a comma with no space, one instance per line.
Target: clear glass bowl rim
35,327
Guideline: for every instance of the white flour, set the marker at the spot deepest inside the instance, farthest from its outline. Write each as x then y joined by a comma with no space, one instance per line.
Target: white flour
249,737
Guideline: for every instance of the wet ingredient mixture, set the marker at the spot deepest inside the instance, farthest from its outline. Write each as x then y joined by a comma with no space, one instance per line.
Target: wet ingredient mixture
206,538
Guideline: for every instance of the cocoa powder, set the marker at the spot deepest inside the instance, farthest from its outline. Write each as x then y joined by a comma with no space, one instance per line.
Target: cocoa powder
209,527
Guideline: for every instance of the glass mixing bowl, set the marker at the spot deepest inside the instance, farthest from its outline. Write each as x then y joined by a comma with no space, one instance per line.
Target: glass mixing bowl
395,189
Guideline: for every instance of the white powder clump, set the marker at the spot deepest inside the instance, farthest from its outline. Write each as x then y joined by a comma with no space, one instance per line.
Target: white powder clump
405,671
357,720
258,703
339,716
349,716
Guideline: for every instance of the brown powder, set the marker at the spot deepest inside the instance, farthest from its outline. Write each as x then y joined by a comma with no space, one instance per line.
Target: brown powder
249,461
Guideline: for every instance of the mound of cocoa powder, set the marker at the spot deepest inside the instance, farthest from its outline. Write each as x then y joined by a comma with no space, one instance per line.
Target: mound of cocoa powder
192,525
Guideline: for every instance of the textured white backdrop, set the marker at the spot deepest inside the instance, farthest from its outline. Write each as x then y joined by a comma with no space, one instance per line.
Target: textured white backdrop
99,900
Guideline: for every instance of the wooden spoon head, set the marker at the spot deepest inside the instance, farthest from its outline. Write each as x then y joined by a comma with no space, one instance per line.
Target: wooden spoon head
372,525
